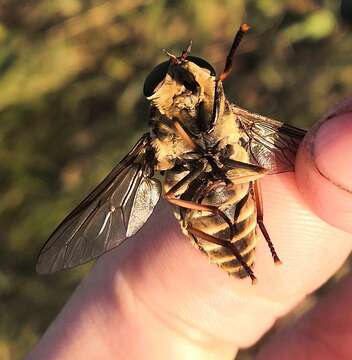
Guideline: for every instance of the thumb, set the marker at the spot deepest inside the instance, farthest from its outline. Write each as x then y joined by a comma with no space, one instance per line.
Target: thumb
324,171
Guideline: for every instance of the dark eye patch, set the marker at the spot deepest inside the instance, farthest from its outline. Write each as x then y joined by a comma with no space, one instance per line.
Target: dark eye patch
159,72
202,63
155,77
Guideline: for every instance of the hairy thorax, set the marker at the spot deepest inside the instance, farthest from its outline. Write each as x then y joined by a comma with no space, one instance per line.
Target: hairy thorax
192,106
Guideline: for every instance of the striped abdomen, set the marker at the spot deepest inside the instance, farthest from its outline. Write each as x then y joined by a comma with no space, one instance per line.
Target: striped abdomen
236,202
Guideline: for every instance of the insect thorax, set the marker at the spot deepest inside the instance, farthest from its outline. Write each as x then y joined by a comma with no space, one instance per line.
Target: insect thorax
192,106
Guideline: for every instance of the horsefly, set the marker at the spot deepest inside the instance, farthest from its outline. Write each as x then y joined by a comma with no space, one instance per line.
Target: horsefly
212,155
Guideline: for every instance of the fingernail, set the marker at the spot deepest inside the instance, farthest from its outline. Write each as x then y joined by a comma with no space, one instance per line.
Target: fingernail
331,146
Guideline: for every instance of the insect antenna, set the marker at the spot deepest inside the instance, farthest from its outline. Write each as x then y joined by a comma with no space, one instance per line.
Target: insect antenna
228,66
184,55
186,52
172,57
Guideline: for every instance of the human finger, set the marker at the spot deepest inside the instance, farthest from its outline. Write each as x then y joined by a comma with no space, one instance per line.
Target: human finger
323,333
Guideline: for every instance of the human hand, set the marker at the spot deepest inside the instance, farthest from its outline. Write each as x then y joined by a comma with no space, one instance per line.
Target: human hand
157,297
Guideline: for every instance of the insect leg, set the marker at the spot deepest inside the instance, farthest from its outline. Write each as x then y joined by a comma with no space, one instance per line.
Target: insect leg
216,107
193,174
184,135
249,172
234,164
259,202
227,244
195,206
228,66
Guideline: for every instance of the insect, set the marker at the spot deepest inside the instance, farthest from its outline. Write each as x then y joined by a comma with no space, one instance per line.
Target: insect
212,154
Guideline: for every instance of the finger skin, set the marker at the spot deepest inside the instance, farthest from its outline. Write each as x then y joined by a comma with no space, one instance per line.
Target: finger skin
325,333
324,177
157,297
326,183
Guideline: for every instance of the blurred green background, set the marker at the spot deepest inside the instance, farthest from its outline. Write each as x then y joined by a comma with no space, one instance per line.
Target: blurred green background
71,104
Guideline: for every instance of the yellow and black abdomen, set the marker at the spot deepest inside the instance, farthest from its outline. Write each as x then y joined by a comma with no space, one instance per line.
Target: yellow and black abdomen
238,205
236,202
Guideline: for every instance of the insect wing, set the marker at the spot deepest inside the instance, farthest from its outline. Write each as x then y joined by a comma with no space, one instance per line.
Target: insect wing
271,144
115,210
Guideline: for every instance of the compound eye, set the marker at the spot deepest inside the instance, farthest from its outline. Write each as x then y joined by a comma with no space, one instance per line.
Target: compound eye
155,78
202,63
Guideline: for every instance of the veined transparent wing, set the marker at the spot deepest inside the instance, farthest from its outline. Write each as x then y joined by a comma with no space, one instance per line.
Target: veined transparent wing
271,144
115,210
